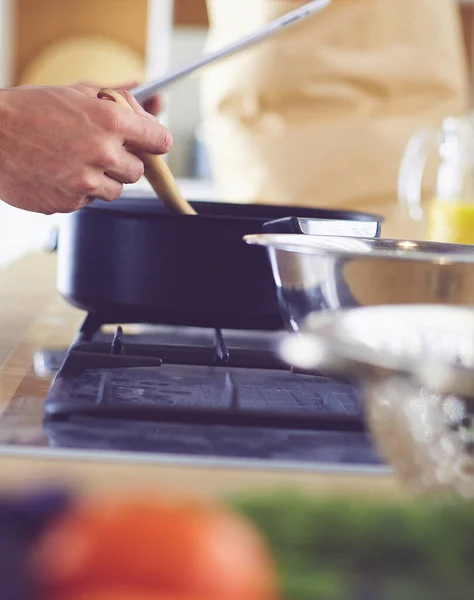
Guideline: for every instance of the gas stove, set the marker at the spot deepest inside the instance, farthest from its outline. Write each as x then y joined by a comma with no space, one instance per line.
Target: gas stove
193,393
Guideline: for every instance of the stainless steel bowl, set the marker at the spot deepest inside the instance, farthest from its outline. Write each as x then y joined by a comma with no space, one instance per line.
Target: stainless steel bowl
327,273
415,365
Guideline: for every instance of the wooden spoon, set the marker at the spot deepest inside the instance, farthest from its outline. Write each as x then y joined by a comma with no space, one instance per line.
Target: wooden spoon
156,170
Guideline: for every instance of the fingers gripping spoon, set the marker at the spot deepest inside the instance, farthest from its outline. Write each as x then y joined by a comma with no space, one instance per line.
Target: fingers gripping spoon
156,170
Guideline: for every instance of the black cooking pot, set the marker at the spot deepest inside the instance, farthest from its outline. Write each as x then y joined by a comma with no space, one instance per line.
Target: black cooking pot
134,261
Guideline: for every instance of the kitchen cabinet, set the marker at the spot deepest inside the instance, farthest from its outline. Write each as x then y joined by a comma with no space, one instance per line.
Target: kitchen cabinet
144,25
27,27
61,20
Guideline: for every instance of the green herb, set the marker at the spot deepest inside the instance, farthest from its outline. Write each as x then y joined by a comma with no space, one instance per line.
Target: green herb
344,549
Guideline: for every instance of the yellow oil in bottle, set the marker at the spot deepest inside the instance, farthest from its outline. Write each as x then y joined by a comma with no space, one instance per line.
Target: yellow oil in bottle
451,221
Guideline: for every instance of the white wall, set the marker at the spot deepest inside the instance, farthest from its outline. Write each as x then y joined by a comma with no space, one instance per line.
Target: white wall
21,232
184,112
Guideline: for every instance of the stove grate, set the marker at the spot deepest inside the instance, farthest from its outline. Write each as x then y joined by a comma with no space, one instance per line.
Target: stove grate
106,359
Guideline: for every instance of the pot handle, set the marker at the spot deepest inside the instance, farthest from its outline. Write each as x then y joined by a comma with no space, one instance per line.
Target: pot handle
316,354
285,225
309,352
313,353
309,226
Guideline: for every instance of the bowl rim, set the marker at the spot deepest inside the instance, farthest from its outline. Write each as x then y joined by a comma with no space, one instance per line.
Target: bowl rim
412,250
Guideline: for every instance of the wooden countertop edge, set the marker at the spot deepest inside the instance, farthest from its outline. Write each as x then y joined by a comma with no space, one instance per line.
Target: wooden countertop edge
208,482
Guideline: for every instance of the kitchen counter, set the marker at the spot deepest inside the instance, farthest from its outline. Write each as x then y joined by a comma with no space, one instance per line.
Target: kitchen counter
32,317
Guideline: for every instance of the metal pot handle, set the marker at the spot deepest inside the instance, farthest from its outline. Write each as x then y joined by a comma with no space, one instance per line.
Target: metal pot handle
312,226
317,353
309,352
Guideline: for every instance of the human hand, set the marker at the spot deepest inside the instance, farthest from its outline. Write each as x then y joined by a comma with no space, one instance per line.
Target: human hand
61,146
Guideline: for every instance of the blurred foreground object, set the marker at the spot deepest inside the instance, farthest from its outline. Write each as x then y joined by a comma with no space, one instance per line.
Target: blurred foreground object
324,548
320,116
415,367
22,522
180,549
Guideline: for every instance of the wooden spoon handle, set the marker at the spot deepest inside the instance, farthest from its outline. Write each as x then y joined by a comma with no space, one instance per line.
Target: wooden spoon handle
156,170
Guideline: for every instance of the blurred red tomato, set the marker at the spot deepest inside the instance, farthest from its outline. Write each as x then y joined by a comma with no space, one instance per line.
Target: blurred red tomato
190,549
112,594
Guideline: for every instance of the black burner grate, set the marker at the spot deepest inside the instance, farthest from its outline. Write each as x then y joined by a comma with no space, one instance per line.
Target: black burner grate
102,378
201,392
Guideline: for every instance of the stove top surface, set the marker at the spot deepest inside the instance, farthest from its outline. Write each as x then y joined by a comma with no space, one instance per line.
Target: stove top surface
232,401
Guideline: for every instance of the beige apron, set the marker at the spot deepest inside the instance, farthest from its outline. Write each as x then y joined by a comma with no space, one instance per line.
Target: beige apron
320,115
